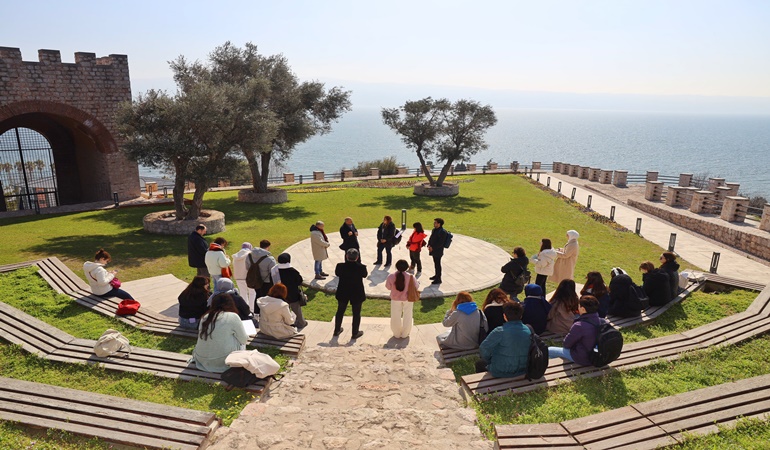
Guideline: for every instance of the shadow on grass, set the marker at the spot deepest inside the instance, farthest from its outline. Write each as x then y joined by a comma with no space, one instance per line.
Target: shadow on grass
251,211
456,204
609,390
431,304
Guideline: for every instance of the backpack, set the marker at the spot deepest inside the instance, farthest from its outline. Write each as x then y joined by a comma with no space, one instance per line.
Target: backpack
537,357
521,280
638,297
110,343
448,240
482,331
397,237
609,344
238,377
254,275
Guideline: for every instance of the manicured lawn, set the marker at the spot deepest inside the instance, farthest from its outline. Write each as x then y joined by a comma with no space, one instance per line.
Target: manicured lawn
13,436
503,209
747,434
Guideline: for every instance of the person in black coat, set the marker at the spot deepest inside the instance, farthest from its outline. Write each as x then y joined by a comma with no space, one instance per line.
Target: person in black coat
350,289
536,308
622,303
284,273
349,235
436,244
196,250
671,267
386,234
655,284
512,270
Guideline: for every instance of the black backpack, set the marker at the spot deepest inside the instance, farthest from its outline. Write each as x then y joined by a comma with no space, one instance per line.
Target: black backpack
448,240
239,377
482,331
609,343
254,275
637,297
537,357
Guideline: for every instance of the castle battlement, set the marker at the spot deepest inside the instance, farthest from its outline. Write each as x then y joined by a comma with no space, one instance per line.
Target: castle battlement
11,55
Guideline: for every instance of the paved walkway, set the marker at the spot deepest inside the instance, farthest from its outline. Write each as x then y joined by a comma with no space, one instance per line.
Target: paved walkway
470,264
690,246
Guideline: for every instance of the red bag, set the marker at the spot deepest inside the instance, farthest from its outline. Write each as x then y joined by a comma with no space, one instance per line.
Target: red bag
226,272
115,283
128,307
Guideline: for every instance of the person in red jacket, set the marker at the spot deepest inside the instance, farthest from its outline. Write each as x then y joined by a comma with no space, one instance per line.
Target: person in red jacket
415,244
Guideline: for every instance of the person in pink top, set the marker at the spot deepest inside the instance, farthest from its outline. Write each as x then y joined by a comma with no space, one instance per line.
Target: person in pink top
400,306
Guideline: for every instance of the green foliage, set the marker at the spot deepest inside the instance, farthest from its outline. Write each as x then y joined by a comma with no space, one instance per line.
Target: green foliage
387,166
747,434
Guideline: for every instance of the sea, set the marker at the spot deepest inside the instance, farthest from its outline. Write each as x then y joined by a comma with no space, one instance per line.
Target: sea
735,147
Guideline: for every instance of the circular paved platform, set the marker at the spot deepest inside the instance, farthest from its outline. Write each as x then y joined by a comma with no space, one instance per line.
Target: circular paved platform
470,264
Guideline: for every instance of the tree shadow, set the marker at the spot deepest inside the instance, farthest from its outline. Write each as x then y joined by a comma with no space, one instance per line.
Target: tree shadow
450,204
430,304
249,211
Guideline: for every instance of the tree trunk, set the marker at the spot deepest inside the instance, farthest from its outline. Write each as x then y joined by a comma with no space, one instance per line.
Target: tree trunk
444,173
197,203
179,210
253,168
425,168
265,157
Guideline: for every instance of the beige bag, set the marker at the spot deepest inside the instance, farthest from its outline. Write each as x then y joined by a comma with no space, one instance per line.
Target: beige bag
111,343
254,361
412,294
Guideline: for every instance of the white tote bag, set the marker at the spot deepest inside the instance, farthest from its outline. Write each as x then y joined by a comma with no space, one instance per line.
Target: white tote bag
254,361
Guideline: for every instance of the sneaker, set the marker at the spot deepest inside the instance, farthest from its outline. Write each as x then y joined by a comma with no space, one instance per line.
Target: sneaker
357,335
338,332
320,277
433,277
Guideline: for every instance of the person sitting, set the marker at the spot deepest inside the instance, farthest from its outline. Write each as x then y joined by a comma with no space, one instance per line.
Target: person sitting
493,308
284,273
536,308
564,305
512,269
595,286
466,321
505,350
671,267
655,284
221,333
581,339
622,303
100,280
192,303
217,262
275,316
226,286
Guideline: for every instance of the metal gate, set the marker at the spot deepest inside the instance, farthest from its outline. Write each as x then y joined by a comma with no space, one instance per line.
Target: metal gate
27,171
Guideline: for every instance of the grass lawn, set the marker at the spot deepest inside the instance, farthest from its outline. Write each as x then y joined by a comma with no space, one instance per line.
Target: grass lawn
747,434
502,209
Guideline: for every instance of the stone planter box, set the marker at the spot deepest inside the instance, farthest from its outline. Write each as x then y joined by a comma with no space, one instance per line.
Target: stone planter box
402,170
347,173
288,178
447,190
374,172
492,166
272,196
471,167
164,222
318,176
536,165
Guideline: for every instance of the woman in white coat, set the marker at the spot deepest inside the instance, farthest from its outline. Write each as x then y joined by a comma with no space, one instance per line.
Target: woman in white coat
544,263
319,242
566,260
240,271
100,280
275,316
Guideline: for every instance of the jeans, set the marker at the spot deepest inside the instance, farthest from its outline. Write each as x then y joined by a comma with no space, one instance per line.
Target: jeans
342,305
401,318
437,265
318,267
187,324
414,257
559,352
388,252
119,293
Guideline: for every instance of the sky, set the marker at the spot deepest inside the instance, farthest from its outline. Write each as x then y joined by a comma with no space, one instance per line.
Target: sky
673,54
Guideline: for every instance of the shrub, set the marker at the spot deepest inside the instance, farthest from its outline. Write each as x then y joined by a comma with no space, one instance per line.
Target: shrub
387,166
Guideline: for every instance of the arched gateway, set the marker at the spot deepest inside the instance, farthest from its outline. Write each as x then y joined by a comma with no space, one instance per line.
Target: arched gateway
58,139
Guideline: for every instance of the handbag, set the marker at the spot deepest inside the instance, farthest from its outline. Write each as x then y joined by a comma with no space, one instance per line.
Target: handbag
412,294
115,283
482,331
226,272
302,297
260,364
128,307
110,343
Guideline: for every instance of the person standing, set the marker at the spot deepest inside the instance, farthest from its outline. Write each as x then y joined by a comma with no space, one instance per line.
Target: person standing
217,262
415,244
386,233
350,289
265,260
512,269
544,263
436,244
349,235
287,275
401,308
566,258
240,270
319,243
196,250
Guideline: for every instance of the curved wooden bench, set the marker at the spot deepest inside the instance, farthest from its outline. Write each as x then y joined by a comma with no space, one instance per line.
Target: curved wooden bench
650,424
448,355
729,330
113,419
36,336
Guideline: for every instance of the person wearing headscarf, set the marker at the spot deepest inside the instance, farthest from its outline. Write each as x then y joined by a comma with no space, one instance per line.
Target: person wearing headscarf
319,242
226,286
566,259
240,270
287,275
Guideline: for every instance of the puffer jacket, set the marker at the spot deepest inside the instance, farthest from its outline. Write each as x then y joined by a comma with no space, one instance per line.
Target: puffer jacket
506,349
621,302
544,262
276,318
672,269
657,287
581,338
98,277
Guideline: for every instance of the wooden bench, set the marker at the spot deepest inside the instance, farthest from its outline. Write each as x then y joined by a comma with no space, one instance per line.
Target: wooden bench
733,282
448,355
113,419
727,331
650,424
35,336
65,281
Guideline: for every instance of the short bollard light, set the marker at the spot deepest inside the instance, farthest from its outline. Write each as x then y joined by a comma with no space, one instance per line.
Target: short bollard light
612,213
574,191
714,262
548,182
558,187
115,199
638,225
588,203
671,242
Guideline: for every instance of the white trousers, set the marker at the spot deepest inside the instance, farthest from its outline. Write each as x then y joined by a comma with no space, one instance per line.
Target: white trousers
248,294
401,318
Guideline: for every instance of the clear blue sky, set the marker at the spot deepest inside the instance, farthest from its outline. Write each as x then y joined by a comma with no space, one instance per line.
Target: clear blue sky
672,47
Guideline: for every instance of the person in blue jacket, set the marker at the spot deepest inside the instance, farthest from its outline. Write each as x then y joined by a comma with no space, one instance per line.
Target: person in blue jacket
535,308
504,352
